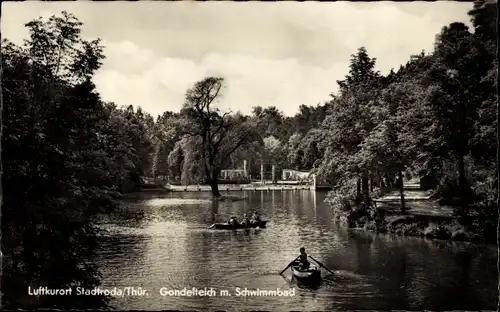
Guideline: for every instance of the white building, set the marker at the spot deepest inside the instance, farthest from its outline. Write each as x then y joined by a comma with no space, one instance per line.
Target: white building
294,175
229,174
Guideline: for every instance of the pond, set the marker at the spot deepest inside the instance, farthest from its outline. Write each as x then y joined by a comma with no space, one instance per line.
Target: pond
160,242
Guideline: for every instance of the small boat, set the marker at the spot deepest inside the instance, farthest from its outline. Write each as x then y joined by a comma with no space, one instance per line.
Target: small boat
313,273
225,226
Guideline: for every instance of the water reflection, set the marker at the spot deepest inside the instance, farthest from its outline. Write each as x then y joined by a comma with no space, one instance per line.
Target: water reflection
166,243
214,211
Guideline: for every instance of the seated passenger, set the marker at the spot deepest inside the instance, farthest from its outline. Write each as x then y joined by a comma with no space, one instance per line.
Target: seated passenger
233,221
245,220
256,218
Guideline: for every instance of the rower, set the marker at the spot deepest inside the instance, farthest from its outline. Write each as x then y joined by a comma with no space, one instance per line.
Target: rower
303,262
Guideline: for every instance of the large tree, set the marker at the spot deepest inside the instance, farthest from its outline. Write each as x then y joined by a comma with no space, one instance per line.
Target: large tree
220,134
64,158
401,133
350,121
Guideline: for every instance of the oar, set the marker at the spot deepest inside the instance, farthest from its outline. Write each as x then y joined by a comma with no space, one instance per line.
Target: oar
321,264
289,265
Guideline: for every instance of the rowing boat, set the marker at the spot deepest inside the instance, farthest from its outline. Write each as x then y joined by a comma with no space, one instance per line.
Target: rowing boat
225,226
313,273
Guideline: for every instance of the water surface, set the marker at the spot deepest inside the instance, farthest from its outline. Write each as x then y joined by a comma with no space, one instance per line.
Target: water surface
163,241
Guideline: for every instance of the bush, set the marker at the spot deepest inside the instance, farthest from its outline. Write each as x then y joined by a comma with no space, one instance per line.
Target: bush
341,200
482,213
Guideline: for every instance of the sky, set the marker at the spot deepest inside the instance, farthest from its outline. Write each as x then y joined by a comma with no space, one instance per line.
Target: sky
281,54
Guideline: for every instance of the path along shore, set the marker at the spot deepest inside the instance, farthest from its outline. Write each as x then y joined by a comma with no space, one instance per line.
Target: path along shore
424,217
417,202
237,187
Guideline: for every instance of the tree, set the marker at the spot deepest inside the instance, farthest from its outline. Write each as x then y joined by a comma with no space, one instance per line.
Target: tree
164,137
273,152
303,119
458,70
1,118
57,173
401,133
270,122
483,16
176,161
137,132
311,147
272,149
361,72
357,93
220,134
309,117
484,146
437,116
294,156
349,122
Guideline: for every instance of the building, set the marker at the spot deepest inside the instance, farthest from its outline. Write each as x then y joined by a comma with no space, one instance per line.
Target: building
294,175
231,174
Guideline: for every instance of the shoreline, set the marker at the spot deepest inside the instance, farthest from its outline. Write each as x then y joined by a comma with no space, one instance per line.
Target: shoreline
237,187
424,218
440,227
223,188
433,224
409,225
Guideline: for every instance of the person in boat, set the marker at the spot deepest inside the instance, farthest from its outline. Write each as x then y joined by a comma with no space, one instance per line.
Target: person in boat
233,221
303,262
256,218
245,220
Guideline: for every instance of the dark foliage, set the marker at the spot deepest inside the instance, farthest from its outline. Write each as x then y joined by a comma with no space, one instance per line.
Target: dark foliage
66,156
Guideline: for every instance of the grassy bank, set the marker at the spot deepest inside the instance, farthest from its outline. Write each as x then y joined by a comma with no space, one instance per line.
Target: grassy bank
438,227
425,217
418,226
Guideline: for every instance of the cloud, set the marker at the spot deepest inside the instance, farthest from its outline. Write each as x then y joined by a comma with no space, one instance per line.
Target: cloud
132,75
283,54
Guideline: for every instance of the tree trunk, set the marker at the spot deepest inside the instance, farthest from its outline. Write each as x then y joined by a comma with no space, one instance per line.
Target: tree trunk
382,183
365,185
463,150
462,184
214,185
358,189
461,171
401,191
261,172
372,184
394,181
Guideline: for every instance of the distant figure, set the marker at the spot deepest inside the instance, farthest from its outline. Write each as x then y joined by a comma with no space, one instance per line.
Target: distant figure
245,220
256,218
303,262
233,221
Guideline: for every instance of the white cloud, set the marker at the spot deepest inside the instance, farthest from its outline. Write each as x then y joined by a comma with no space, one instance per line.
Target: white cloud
159,84
283,54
